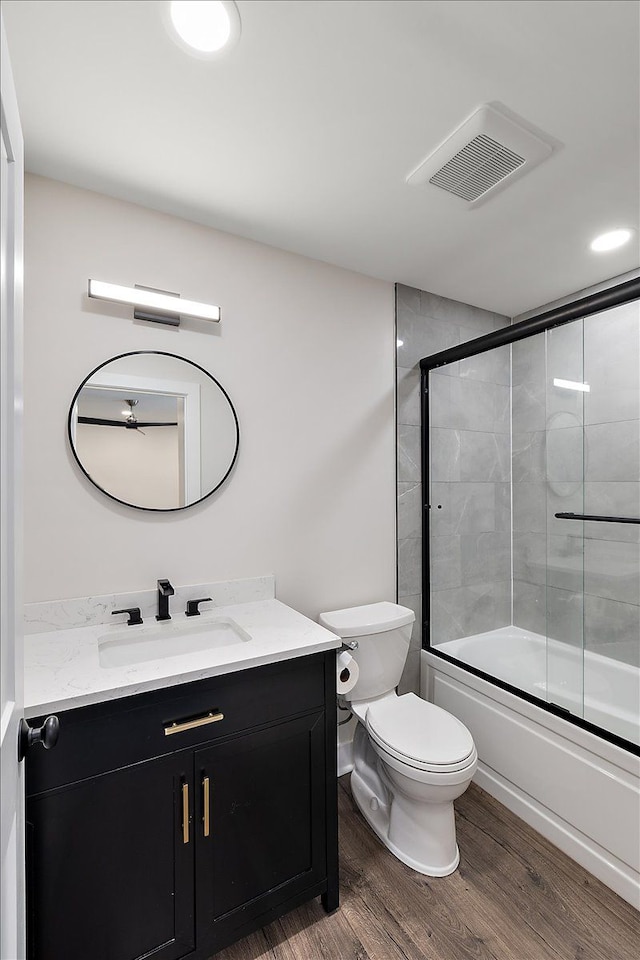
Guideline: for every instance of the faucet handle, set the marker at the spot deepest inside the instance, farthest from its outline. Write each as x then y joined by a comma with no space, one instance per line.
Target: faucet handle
134,615
192,607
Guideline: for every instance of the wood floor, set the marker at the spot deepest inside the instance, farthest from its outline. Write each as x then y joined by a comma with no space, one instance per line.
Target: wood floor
514,897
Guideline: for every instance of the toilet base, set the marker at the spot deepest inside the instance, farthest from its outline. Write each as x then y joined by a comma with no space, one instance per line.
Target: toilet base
376,812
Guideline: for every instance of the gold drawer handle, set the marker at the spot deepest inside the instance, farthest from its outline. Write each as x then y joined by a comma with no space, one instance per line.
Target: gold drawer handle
206,799
185,813
192,724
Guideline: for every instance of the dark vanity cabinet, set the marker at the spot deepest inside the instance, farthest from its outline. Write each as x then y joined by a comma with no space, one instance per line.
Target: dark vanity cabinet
173,823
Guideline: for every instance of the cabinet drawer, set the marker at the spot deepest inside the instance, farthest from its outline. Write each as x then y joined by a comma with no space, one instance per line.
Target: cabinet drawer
107,736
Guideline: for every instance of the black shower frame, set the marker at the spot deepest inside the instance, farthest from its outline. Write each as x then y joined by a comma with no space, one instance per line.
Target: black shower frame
614,296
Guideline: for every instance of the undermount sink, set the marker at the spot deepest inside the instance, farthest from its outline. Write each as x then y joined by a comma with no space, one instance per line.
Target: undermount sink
140,644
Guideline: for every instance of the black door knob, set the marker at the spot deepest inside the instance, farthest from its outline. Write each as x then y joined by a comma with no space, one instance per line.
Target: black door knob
47,735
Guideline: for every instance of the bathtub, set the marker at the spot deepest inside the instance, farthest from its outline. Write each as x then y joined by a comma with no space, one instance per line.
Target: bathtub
577,789
597,689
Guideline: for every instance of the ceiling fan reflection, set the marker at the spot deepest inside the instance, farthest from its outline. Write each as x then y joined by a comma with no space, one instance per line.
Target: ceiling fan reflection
130,423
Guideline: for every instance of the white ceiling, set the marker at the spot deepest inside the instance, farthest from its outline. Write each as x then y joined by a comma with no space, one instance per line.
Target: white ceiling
302,136
111,404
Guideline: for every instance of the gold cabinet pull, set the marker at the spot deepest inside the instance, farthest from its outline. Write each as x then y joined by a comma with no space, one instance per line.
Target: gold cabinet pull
185,813
181,727
205,805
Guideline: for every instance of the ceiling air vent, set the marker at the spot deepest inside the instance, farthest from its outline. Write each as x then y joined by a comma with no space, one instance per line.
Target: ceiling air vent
478,167
488,151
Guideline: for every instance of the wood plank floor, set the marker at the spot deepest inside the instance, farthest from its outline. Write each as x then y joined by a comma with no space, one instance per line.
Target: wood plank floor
514,897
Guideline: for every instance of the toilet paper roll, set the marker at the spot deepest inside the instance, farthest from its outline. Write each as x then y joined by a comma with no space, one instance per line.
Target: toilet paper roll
347,672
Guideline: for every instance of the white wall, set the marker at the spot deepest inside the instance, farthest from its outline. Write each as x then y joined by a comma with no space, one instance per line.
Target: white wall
306,352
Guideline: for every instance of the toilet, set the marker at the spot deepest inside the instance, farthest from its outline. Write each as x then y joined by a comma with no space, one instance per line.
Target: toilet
412,759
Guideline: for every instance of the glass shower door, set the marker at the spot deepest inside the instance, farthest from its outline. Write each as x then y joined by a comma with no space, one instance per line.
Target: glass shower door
565,393
533,511
592,439
611,602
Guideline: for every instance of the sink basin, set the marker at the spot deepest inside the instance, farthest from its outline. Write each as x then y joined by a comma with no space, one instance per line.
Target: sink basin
140,644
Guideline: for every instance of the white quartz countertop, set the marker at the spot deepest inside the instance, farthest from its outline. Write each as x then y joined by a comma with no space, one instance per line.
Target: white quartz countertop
63,670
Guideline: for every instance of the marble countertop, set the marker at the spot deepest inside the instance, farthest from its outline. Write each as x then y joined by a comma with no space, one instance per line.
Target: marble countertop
63,671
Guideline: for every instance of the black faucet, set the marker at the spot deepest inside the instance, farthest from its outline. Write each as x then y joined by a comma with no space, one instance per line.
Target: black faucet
165,590
134,615
192,607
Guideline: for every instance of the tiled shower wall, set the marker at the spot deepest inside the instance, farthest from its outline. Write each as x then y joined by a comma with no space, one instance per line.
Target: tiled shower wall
470,470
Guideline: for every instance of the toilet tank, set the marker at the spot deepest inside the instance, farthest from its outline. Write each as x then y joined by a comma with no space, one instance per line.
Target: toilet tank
383,632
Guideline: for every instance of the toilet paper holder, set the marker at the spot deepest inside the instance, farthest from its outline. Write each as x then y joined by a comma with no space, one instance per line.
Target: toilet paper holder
349,645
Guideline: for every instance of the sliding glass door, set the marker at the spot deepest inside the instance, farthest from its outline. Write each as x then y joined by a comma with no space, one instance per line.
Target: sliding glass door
532,513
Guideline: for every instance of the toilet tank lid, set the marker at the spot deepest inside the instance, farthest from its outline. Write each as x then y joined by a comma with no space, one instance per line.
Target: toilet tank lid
370,618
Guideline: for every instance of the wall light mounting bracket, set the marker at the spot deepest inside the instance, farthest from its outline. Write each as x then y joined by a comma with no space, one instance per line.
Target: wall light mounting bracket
143,313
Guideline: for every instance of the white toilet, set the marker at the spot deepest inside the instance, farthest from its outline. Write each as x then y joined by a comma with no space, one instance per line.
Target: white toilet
411,758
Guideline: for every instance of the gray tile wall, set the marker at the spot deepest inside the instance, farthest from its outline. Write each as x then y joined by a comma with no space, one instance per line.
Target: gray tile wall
578,452
470,460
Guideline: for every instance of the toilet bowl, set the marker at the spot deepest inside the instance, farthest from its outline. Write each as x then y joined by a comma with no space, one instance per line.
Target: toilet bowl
411,758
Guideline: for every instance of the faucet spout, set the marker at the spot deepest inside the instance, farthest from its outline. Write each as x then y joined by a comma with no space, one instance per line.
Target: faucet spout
165,590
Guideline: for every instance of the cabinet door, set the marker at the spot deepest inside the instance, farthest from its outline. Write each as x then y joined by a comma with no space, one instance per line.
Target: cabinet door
261,841
110,873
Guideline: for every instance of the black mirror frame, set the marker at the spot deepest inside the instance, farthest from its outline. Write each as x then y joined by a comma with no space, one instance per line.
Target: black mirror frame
134,506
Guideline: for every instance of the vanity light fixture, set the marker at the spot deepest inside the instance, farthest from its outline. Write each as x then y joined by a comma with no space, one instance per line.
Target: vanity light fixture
610,240
156,305
571,385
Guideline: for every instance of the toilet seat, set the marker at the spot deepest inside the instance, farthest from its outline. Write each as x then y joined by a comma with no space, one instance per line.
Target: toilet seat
420,734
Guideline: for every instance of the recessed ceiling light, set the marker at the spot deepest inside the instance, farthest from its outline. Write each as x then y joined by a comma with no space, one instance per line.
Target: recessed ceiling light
205,27
610,240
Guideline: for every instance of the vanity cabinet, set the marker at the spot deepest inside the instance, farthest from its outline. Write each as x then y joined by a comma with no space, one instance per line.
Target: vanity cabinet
173,823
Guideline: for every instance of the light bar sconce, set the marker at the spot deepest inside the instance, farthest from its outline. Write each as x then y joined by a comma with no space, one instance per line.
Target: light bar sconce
155,305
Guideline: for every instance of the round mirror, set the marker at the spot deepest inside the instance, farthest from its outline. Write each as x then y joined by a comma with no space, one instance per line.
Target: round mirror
153,431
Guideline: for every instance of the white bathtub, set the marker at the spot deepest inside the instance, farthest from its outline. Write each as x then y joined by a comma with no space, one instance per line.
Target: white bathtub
603,691
577,789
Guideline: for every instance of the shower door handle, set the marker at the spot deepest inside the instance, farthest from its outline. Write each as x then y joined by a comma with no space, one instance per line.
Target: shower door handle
587,516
